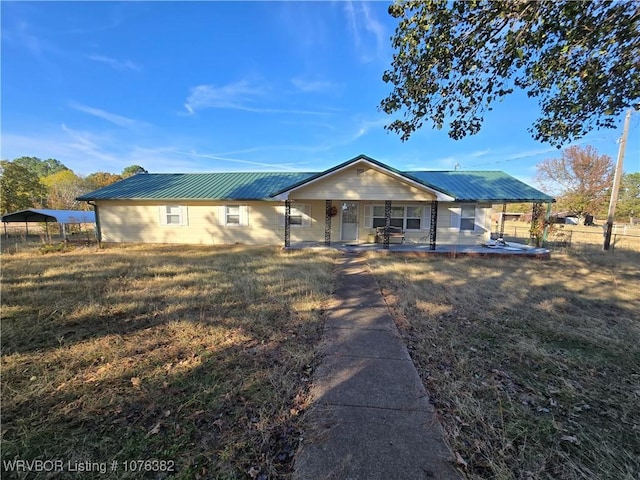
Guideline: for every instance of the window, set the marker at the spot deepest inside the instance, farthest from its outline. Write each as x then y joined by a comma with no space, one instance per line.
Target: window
300,215
233,215
414,218
468,217
405,217
173,215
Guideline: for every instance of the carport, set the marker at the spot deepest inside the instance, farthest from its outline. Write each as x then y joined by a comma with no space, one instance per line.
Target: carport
63,217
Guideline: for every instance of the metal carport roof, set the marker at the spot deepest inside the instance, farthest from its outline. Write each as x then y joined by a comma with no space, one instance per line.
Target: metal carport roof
59,216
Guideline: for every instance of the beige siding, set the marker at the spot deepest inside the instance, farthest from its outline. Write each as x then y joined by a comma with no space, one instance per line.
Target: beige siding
361,183
140,222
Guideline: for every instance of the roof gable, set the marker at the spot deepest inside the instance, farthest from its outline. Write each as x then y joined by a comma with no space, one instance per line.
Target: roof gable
404,177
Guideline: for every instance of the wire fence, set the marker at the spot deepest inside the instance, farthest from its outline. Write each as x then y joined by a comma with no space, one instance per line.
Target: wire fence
623,237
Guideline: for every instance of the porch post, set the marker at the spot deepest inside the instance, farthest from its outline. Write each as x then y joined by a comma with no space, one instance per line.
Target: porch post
547,216
504,211
327,222
287,224
535,233
433,228
387,224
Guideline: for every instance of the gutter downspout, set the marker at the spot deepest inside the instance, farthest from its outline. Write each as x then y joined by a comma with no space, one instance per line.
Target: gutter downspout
98,231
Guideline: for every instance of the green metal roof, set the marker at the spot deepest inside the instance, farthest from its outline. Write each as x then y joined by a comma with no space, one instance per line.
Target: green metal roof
197,186
492,186
486,186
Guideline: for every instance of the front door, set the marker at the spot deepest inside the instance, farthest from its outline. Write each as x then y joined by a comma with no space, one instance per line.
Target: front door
349,230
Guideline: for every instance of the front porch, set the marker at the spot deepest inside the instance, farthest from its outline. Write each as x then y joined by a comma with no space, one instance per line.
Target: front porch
510,249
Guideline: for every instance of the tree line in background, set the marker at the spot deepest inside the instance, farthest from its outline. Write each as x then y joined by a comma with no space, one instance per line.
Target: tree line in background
30,182
580,180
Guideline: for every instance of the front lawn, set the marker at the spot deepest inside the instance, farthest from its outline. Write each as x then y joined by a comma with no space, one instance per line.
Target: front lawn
196,356
534,366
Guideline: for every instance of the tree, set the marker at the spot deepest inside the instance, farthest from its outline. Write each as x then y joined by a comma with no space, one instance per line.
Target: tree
101,179
629,200
42,168
63,188
132,170
20,188
581,178
454,60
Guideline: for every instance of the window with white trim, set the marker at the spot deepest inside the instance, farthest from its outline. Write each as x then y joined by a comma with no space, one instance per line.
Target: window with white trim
300,215
233,215
407,217
173,215
468,217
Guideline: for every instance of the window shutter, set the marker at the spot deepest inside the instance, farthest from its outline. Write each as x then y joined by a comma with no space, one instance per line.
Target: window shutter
306,217
455,216
184,218
426,218
480,219
368,216
222,215
162,213
244,215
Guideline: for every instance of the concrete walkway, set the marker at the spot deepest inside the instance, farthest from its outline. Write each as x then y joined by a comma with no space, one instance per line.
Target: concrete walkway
370,417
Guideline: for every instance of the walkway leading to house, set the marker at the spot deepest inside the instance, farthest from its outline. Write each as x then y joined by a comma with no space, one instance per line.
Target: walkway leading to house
370,417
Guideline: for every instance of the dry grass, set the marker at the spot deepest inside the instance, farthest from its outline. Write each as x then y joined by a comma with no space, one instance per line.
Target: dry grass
189,354
534,366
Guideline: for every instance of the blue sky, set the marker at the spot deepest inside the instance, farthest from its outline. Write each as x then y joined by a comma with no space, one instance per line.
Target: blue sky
212,86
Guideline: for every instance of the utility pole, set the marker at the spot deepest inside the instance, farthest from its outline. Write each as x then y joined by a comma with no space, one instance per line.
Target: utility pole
616,182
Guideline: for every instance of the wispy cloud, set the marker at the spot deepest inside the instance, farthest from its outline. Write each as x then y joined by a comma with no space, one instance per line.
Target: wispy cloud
369,34
118,120
236,96
232,95
114,63
304,85
193,153
480,153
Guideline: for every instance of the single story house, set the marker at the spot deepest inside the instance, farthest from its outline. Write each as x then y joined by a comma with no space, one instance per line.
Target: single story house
358,201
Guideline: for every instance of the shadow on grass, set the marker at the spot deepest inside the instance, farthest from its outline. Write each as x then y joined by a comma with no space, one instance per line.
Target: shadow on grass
195,355
531,365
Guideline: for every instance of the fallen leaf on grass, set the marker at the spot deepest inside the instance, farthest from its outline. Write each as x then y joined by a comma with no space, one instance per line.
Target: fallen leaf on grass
460,460
135,381
253,472
571,439
155,430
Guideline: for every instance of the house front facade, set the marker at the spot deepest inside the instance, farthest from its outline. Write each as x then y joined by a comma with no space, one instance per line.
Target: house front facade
359,201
